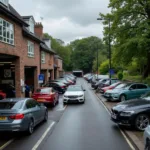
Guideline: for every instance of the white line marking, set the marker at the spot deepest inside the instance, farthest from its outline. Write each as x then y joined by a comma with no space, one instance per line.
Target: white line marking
43,136
6,144
126,138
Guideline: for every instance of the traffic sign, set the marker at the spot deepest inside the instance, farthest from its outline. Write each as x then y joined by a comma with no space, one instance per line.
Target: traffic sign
112,71
41,78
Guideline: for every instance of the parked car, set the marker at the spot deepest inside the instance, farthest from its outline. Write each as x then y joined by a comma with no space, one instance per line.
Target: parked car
87,76
57,86
74,94
95,86
46,96
104,89
89,79
130,91
133,113
8,89
107,83
21,114
2,95
62,80
108,93
147,138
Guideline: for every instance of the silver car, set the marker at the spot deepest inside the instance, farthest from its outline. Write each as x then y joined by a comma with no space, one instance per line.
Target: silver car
147,138
21,114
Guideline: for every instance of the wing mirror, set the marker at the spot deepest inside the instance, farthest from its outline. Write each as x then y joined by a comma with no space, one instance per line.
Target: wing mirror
131,89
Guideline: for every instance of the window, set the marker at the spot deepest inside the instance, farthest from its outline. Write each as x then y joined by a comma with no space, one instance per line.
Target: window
141,86
31,27
30,49
133,87
42,57
30,104
6,32
5,2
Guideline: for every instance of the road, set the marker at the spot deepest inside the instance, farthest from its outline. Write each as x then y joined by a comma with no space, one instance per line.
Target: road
78,127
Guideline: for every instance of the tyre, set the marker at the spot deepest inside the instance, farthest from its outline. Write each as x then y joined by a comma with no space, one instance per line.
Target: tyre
141,122
31,127
46,116
122,98
147,146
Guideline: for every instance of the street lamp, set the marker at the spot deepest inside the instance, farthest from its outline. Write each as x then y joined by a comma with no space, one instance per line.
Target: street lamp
109,50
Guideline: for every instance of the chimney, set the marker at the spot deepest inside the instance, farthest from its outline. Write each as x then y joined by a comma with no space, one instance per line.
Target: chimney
38,29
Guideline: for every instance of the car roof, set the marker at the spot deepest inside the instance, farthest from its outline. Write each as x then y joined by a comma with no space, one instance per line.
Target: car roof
14,99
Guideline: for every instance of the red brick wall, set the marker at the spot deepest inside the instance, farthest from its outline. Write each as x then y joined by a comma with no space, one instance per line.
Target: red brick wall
20,49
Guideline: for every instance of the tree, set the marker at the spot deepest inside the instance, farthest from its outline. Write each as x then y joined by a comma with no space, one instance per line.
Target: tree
130,31
85,52
63,51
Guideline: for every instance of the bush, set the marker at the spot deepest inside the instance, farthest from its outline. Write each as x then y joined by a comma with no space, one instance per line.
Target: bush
120,75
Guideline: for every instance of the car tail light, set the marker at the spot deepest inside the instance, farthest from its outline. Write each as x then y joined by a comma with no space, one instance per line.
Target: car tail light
17,116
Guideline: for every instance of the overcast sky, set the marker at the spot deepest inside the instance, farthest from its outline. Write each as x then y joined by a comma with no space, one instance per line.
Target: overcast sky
65,19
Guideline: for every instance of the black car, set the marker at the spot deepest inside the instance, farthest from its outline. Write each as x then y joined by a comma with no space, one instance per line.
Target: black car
58,86
134,113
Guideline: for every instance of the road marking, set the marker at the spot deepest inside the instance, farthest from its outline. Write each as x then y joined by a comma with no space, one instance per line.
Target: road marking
122,132
6,144
43,136
61,109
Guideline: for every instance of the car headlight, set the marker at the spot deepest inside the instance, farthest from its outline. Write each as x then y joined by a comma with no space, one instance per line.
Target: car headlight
127,113
80,95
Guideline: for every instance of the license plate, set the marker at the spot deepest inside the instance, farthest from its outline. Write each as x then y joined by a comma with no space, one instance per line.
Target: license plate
3,118
40,100
113,116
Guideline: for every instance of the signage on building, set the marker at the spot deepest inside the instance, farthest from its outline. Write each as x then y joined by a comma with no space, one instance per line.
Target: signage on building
41,78
7,73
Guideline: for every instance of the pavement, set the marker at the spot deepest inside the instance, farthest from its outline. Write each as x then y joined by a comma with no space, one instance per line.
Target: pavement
72,127
136,137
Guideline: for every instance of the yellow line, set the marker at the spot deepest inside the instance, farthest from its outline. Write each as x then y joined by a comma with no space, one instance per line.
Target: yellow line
6,144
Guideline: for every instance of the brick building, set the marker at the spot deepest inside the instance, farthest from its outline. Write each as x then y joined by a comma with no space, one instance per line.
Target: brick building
24,52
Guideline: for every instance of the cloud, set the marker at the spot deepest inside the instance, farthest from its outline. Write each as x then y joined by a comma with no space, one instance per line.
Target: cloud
66,19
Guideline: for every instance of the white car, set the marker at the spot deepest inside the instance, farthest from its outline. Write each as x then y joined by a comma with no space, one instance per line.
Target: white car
74,94
147,138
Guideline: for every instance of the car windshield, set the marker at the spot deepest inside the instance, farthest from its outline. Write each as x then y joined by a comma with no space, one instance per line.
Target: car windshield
121,86
127,85
74,88
43,91
11,105
114,84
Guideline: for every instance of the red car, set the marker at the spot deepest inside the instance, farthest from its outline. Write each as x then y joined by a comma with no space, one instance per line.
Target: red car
2,95
103,90
46,96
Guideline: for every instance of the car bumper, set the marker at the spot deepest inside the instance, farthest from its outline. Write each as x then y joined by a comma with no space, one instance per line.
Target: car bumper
112,98
122,120
73,100
13,126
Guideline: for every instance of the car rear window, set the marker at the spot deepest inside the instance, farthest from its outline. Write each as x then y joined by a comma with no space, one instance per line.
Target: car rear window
11,105
43,91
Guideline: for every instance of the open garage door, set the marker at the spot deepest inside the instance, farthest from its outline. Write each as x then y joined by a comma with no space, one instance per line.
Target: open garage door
78,73
7,75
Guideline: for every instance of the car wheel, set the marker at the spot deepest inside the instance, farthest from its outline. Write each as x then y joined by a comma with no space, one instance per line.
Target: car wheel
141,122
147,146
31,127
122,98
46,116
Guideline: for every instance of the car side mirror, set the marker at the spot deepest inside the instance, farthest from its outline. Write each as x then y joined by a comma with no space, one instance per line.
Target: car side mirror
131,89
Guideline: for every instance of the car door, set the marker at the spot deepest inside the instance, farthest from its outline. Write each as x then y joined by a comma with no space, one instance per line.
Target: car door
33,110
132,92
141,89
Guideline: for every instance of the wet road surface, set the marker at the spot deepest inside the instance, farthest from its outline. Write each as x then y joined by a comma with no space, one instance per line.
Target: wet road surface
77,127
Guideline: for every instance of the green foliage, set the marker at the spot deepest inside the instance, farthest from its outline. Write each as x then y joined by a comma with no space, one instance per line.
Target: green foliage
120,75
63,51
85,52
130,33
104,67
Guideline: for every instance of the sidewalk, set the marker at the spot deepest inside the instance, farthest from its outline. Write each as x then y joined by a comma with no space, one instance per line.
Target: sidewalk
136,137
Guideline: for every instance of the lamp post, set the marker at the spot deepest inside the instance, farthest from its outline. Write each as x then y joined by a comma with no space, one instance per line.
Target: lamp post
109,48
